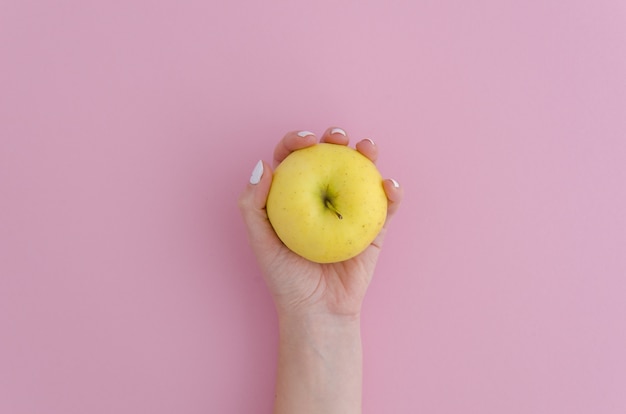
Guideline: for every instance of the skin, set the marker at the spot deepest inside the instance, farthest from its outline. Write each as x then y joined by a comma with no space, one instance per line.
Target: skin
318,305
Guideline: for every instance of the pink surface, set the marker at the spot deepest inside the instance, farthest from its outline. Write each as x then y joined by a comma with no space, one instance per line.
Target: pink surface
127,130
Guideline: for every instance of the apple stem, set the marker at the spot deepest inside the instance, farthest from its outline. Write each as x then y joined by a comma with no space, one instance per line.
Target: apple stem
333,209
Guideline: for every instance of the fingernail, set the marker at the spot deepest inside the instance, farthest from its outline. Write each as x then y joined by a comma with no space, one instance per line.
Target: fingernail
371,141
395,183
257,173
338,131
305,133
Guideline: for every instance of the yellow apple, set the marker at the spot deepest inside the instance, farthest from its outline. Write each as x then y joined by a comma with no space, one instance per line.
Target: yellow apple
327,202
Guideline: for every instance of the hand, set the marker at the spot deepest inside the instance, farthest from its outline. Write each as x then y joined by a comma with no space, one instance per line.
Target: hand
299,286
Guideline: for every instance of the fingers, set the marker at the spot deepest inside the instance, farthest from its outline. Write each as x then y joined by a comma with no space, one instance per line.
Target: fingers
394,196
292,141
255,194
368,148
296,140
335,135
252,206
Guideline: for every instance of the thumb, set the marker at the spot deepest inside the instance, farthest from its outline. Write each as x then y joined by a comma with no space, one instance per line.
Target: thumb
252,202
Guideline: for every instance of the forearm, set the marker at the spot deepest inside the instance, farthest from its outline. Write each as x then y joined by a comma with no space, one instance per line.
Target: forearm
319,365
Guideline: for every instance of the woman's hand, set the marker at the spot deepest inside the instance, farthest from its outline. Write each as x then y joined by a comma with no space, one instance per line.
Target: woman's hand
301,287
320,354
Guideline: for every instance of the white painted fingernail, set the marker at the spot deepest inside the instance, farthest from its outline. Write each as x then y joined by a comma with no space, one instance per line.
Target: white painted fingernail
338,131
257,173
395,183
371,141
305,133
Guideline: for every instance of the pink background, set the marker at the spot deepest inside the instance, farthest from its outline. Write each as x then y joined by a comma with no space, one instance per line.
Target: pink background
127,130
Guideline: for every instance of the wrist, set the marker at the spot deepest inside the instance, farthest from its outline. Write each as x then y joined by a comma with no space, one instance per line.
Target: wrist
311,323
320,364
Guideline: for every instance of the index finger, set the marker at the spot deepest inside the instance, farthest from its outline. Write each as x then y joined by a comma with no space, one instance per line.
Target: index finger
291,142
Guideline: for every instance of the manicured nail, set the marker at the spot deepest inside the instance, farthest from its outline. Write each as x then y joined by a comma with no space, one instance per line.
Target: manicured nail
305,133
338,131
395,183
257,173
371,141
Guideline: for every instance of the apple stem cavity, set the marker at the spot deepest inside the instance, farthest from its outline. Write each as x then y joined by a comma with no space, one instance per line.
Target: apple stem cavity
333,209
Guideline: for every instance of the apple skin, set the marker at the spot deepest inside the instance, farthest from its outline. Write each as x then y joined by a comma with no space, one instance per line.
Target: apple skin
327,202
